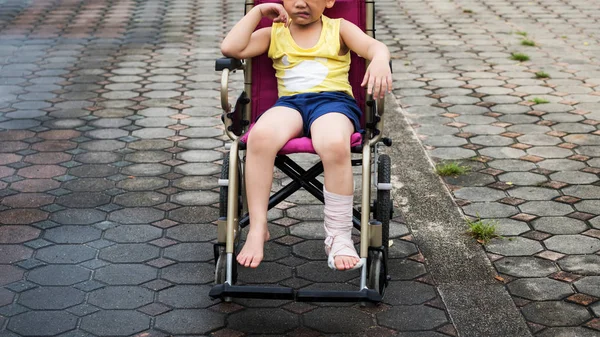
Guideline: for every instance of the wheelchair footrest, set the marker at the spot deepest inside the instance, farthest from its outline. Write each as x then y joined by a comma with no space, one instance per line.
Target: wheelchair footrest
364,295
283,293
273,293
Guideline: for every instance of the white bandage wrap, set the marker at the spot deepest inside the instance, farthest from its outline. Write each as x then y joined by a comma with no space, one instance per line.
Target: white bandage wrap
338,227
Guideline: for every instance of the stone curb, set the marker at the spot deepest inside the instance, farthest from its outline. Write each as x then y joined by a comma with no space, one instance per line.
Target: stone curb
477,304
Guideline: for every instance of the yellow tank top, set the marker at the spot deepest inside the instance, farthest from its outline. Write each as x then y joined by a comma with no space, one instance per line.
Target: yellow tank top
315,69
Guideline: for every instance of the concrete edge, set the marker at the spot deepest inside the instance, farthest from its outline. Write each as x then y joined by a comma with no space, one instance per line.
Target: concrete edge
477,303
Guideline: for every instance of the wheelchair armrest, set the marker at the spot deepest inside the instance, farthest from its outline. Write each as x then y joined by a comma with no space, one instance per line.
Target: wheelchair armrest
228,63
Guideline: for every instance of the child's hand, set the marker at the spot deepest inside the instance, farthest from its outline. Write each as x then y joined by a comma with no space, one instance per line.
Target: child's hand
378,78
274,11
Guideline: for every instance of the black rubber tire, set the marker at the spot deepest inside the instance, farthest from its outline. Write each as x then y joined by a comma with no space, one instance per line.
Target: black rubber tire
223,189
383,209
377,279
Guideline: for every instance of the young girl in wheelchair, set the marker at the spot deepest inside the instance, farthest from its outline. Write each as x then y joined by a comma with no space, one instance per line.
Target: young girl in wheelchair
311,57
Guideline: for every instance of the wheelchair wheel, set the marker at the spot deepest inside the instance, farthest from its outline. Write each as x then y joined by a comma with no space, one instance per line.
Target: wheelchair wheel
223,192
221,268
383,205
377,279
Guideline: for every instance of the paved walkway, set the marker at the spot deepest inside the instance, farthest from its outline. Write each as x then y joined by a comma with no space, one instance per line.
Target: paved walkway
110,148
532,142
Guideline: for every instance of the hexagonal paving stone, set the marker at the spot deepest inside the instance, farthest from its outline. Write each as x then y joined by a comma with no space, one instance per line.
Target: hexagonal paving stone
582,191
514,247
574,177
115,323
546,208
190,252
414,317
539,289
137,215
140,199
125,297
490,210
143,183
533,193
589,285
525,266
10,274
14,253
588,206
133,233
193,232
51,298
66,254
42,323
199,322
72,234
340,320
189,273
309,230
194,214
88,185
522,178
581,264
204,198
269,272
559,225
510,227
568,332
129,253
22,216
42,171
83,199
26,200
78,216
58,275
186,296
408,293
555,313
17,233
479,194
573,244
125,274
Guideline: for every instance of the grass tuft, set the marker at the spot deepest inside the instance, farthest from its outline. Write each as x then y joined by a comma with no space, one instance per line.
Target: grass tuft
538,100
482,230
468,11
521,33
541,74
519,57
451,169
528,43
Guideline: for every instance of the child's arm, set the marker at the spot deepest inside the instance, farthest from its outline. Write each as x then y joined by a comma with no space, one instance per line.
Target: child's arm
242,42
378,76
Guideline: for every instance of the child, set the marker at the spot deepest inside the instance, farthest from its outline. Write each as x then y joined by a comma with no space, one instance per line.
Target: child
311,58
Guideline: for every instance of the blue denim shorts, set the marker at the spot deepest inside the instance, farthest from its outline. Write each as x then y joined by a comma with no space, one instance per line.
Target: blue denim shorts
313,105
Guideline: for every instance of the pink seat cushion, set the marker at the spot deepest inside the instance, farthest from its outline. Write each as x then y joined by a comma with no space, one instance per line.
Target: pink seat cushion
302,144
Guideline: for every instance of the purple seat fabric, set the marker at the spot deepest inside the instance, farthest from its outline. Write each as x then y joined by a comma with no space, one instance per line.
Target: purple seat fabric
264,83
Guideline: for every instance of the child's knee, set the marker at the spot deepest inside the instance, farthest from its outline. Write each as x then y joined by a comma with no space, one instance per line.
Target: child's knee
335,149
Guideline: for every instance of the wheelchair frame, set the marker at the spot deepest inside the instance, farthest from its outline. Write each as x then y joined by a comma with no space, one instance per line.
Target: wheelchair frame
373,235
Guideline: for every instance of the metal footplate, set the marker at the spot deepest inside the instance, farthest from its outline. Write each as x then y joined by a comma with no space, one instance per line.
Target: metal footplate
283,293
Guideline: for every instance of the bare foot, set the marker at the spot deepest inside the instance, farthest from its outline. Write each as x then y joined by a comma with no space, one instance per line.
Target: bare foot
344,262
252,252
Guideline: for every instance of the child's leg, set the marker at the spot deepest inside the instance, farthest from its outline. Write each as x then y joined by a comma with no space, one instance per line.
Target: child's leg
330,135
270,133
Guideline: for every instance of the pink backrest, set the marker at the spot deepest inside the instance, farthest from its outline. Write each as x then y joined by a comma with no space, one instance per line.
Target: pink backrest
264,83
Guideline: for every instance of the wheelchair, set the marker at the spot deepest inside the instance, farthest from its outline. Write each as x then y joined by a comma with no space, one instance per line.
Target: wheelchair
260,93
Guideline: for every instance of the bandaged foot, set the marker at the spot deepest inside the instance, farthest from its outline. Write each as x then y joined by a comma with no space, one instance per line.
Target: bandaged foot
253,250
339,247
